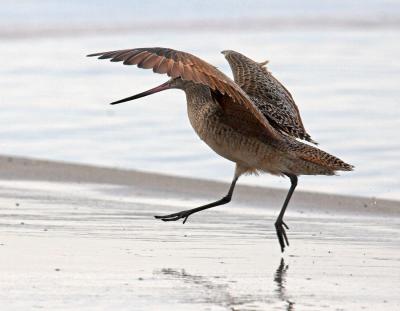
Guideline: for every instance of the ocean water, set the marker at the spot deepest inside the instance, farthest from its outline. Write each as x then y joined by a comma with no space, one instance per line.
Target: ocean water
339,59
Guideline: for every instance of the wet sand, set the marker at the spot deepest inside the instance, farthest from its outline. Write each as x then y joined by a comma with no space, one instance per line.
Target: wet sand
75,237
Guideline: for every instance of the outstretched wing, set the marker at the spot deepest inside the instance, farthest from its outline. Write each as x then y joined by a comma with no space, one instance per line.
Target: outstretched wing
191,68
268,94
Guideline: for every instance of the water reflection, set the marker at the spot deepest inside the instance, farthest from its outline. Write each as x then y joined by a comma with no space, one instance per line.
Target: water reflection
217,290
280,280
213,291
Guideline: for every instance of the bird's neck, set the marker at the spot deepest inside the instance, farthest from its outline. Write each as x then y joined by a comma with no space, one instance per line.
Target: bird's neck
201,107
198,96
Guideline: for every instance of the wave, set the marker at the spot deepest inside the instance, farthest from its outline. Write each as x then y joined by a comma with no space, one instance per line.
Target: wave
30,30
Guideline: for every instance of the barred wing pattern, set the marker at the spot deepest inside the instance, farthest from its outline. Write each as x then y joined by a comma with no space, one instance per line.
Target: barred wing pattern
268,94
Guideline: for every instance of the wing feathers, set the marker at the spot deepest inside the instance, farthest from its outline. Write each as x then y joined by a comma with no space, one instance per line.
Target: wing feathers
175,70
120,56
149,61
191,68
136,58
268,94
162,66
187,73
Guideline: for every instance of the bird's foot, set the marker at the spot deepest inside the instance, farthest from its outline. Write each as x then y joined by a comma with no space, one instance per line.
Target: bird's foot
176,216
281,233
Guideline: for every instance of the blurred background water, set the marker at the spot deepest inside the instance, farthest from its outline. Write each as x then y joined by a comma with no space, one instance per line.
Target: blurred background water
340,60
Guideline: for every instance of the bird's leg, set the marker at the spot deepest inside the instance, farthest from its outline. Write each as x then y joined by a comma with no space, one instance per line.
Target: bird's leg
279,224
186,213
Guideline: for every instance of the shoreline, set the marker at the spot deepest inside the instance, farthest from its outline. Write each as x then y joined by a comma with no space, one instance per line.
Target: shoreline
160,185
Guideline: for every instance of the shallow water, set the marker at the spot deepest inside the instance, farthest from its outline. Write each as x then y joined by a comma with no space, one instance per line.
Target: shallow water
344,79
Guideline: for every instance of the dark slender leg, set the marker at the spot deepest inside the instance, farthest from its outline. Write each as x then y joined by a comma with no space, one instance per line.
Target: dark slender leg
279,224
186,213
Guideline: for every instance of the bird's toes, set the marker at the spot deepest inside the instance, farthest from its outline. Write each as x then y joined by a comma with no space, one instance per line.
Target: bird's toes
174,217
167,217
281,234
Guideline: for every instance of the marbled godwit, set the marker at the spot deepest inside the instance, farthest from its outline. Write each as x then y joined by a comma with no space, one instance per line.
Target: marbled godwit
252,121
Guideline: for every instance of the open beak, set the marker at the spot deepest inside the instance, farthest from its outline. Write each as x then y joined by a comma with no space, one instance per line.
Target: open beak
162,87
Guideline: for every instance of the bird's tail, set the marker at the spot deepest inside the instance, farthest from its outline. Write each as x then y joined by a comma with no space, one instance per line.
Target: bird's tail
316,161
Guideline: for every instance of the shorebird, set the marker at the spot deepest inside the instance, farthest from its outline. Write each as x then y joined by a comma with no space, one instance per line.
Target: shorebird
252,120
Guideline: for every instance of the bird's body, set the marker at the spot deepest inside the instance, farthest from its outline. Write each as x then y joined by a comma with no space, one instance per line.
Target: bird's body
253,123
252,152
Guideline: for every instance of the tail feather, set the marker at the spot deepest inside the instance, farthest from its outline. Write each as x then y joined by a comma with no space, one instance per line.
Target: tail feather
321,159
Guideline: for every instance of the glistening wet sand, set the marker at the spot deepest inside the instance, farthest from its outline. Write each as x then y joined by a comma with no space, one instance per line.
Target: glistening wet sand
75,237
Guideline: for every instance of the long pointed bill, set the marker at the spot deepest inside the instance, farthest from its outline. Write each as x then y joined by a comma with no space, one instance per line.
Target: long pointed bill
162,87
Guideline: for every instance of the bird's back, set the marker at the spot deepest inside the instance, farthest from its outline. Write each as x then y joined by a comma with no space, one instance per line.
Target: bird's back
268,94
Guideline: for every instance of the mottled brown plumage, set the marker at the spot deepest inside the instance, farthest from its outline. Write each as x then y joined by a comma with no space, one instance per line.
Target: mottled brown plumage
255,129
268,94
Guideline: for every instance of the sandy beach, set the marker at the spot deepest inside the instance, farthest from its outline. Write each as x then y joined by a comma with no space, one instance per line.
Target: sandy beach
76,237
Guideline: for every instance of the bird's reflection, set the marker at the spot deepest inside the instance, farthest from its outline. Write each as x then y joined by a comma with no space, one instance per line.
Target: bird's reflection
280,280
218,292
